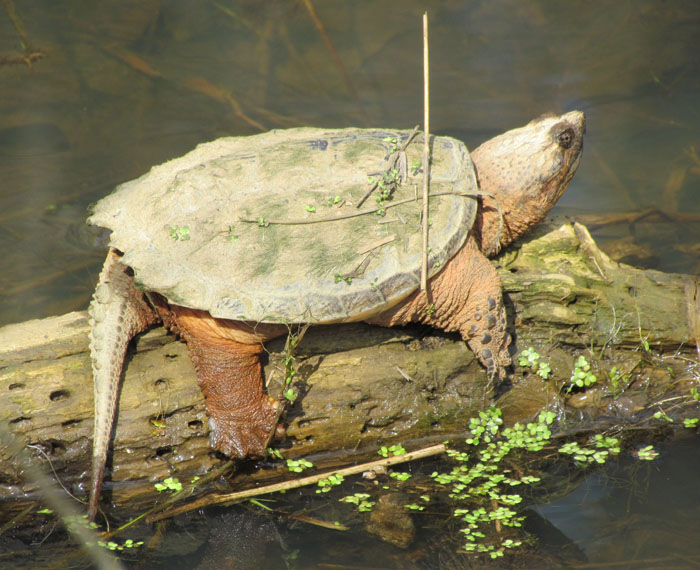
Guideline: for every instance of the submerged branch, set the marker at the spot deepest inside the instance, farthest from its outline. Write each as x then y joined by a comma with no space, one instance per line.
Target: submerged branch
301,482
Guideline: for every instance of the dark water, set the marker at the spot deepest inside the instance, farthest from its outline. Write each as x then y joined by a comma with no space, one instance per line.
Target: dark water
635,514
123,85
628,514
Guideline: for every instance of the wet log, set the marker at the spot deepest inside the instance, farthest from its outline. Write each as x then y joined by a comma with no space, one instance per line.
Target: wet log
361,386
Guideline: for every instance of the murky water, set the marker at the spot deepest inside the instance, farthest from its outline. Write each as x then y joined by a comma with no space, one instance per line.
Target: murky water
115,87
635,514
628,514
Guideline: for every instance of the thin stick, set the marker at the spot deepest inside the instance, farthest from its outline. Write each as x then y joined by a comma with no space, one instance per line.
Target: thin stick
296,483
265,222
301,222
426,154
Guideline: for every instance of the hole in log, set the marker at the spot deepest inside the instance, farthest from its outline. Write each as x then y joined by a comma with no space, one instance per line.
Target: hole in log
55,446
20,420
195,425
70,423
163,451
16,386
161,383
50,446
58,395
306,422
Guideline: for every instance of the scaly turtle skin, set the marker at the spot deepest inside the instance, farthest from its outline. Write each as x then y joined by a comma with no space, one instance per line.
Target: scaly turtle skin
236,240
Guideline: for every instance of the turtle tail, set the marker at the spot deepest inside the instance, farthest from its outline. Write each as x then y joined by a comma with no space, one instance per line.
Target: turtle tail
118,312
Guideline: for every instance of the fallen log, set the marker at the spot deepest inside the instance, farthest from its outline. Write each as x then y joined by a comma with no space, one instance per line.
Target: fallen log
360,386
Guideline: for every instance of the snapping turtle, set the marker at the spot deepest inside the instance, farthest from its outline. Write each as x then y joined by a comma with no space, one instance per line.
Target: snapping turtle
233,242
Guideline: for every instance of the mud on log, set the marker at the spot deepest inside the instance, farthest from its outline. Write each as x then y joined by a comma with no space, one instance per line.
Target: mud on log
359,386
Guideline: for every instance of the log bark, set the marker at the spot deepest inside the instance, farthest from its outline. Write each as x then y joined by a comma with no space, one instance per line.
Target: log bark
361,386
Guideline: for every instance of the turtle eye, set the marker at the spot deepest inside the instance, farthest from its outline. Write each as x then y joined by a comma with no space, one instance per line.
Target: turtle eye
566,138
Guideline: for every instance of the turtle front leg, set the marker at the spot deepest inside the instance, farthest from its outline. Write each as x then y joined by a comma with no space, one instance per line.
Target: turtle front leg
479,315
484,328
242,417
466,297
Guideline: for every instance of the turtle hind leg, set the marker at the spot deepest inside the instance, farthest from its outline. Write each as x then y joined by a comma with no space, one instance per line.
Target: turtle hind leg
242,418
118,312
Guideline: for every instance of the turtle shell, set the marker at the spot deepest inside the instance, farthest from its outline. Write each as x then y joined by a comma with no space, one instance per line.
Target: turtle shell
265,228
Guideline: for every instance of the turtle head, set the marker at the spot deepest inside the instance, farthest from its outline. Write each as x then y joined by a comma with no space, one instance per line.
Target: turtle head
524,172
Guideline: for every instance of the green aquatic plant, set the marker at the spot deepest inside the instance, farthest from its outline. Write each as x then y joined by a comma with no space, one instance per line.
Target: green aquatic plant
290,372
330,482
180,233
690,422
482,484
530,358
582,377
115,546
400,475
394,143
647,453
340,277
397,449
360,501
73,522
169,484
597,450
298,465
663,416
618,381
